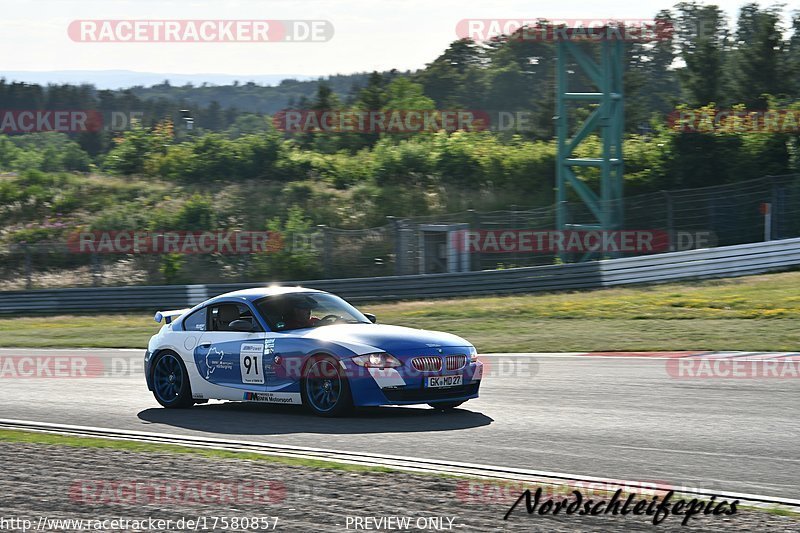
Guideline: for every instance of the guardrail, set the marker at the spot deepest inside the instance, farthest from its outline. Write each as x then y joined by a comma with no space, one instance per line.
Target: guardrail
727,261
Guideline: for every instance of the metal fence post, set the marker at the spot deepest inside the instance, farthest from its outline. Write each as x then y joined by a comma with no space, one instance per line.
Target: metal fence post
245,272
95,270
326,250
774,201
28,266
398,246
475,225
670,220
405,246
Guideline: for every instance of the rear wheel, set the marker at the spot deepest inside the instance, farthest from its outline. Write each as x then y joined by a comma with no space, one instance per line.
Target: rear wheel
171,385
324,387
445,406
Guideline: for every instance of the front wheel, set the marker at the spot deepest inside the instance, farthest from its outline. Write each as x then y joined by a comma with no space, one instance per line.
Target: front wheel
445,406
325,389
171,385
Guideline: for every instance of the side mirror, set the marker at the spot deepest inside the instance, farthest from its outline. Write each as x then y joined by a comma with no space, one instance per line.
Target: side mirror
372,318
245,326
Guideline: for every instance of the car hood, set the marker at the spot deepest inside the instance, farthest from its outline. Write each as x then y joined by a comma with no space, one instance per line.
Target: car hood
392,339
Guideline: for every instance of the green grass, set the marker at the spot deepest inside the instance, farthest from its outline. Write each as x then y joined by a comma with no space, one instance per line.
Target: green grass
32,437
780,511
756,313
79,331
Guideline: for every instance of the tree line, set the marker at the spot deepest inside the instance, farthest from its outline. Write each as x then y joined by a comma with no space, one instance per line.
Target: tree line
710,62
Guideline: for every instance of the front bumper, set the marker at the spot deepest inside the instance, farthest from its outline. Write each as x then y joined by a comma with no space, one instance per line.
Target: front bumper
406,386
410,395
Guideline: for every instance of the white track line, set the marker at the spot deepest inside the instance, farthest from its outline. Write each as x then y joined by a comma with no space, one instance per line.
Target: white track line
739,356
586,356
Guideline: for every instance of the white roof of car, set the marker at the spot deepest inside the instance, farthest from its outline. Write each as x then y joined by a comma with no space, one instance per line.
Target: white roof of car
260,292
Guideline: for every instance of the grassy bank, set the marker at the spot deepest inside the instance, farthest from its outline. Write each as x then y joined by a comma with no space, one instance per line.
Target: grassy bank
758,313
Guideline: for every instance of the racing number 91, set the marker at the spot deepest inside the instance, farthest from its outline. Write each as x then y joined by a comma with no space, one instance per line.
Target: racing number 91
250,363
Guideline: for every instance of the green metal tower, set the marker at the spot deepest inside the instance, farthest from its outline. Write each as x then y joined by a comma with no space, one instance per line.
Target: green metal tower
607,118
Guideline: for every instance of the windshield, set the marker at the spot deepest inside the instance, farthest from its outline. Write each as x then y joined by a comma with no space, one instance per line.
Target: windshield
286,312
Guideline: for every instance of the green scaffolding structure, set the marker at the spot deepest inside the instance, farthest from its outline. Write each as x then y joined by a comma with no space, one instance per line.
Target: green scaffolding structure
607,118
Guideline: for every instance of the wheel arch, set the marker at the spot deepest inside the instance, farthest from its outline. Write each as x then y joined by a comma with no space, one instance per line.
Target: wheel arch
308,358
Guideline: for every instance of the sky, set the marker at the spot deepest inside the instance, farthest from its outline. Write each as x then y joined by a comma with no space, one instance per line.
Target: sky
368,34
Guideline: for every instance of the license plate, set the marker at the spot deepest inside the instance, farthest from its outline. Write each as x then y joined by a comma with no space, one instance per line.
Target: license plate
438,382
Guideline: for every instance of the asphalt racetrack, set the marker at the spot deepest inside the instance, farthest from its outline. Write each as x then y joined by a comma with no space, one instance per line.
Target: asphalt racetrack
619,418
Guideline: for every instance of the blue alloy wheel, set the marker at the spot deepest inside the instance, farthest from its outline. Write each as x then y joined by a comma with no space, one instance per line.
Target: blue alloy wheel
170,383
326,390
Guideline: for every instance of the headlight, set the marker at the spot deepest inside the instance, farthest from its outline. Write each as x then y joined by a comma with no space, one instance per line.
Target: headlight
473,355
377,360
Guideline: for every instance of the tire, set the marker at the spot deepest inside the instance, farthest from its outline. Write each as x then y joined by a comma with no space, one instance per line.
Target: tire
171,386
324,387
445,406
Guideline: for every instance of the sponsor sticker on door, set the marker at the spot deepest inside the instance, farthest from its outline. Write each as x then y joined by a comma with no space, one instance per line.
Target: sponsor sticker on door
251,363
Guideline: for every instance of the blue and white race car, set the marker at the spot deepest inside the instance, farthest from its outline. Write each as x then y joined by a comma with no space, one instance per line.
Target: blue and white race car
290,345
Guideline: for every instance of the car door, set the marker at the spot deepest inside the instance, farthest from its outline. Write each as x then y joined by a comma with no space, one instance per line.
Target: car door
284,362
231,358
284,354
